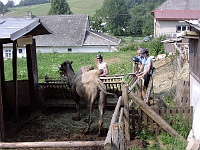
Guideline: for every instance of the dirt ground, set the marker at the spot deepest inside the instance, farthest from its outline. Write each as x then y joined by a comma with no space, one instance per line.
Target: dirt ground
57,124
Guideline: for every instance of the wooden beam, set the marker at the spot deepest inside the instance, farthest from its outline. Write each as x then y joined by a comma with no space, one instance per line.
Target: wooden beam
2,126
15,83
66,144
153,115
32,74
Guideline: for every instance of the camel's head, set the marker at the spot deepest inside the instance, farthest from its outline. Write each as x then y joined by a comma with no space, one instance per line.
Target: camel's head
67,70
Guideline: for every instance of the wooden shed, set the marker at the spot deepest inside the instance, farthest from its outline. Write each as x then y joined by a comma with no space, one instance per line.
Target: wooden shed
18,32
194,62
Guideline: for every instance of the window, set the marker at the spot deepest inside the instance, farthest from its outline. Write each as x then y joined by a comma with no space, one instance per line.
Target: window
182,28
20,50
8,53
69,49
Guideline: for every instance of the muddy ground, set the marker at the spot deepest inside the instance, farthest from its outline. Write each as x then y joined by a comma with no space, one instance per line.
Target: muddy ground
56,124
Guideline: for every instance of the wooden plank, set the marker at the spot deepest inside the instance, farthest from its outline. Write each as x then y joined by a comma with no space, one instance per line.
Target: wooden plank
2,81
174,114
121,115
134,84
15,82
153,115
108,140
168,116
151,125
139,123
158,129
121,136
115,136
144,116
181,114
66,144
133,119
187,113
126,112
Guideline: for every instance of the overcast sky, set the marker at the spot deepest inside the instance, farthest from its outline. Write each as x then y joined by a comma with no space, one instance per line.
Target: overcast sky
15,1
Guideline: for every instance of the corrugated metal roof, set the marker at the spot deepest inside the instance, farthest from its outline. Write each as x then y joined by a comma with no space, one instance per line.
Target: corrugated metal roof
194,23
13,28
176,14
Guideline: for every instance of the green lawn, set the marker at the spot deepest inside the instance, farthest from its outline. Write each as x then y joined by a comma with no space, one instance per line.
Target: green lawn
118,63
77,7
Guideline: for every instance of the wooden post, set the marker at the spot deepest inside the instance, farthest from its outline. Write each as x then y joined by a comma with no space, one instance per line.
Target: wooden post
153,115
15,82
2,127
32,74
126,112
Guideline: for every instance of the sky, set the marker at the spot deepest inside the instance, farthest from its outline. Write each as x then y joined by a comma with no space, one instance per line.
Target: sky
15,1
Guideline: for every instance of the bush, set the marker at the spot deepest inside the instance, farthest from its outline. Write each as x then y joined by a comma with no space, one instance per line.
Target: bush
155,46
129,47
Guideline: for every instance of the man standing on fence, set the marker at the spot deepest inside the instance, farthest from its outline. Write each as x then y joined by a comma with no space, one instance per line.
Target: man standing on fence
146,70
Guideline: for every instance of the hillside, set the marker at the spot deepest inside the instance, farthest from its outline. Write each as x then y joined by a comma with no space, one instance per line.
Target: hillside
77,7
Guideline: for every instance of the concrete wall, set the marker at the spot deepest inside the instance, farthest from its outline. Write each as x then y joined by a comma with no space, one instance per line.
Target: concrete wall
195,102
162,27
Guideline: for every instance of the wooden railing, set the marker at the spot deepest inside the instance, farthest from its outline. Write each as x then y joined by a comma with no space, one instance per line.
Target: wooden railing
140,120
113,83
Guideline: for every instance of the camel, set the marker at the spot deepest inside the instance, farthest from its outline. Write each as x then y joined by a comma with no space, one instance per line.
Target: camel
87,85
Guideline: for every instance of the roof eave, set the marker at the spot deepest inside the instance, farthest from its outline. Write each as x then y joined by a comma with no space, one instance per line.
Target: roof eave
30,28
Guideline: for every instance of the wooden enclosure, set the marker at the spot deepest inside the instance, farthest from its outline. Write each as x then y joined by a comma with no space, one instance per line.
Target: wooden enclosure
131,115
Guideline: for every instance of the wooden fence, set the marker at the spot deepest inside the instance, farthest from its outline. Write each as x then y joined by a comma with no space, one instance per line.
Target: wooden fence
140,120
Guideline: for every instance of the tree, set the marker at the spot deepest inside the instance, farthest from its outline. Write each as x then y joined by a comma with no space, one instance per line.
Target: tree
59,7
10,4
3,8
115,14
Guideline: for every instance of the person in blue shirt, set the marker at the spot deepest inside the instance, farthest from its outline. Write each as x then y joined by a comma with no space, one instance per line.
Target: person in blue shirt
146,70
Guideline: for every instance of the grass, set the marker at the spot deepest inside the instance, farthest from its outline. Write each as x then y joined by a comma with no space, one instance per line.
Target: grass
48,63
76,6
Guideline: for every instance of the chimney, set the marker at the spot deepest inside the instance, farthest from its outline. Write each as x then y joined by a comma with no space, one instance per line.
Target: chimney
29,15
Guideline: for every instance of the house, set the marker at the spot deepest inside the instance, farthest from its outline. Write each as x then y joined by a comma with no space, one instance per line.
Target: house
169,16
194,63
71,33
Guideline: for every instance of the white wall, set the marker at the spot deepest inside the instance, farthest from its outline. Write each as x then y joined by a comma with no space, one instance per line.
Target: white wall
195,102
84,49
162,27
22,54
